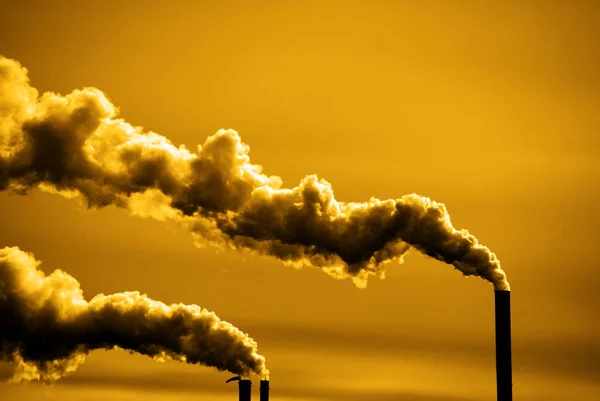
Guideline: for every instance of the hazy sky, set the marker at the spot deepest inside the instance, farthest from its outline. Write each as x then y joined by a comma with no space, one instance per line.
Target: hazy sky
490,108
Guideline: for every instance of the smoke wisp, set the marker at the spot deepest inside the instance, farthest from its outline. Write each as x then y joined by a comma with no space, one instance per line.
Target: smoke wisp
47,327
77,146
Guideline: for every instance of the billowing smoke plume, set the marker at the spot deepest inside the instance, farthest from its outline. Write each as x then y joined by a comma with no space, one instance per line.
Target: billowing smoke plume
47,327
75,145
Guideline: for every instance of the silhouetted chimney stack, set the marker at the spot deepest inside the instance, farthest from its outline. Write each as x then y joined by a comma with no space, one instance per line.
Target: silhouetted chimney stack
503,346
264,390
245,387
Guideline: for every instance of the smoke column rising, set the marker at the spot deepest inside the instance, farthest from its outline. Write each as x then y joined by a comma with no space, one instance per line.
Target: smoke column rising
75,145
47,327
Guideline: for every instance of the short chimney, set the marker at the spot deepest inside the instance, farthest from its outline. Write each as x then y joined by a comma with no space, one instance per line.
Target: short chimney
264,390
245,387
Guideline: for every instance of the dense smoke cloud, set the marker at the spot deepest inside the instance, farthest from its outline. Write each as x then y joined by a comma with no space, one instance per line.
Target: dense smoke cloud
75,145
47,327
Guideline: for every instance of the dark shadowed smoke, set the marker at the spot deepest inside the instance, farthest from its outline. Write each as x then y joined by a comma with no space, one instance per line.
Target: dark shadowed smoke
47,327
76,146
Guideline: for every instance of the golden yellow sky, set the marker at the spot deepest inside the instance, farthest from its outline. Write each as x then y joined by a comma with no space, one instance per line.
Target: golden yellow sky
488,107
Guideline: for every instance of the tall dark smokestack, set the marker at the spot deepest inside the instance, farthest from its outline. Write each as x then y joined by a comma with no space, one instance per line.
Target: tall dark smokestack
503,346
245,387
264,390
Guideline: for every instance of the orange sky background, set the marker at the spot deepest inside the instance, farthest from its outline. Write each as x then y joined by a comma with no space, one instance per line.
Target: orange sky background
489,108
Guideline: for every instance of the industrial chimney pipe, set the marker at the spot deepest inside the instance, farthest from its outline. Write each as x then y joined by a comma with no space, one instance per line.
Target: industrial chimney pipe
264,390
503,346
245,387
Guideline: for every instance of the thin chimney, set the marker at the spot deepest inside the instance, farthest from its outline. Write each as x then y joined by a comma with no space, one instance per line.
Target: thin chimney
264,390
503,346
245,387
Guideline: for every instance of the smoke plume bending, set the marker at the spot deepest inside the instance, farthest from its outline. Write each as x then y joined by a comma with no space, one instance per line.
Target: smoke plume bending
76,145
47,327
